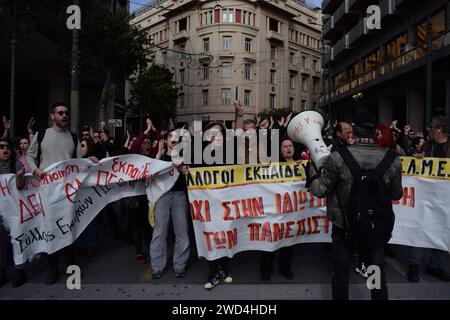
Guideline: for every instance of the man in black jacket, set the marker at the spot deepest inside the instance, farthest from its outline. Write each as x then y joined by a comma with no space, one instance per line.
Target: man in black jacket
335,182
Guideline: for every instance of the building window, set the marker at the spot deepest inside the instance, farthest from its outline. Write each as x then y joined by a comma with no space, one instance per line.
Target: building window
247,97
273,75
248,18
226,43
292,81
274,25
305,62
227,15
372,60
181,49
315,65
303,104
316,85
182,80
226,96
205,97
291,103
273,52
181,100
291,57
207,17
272,101
248,45
165,59
226,69
247,71
339,80
182,24
205,71
206,45
305,84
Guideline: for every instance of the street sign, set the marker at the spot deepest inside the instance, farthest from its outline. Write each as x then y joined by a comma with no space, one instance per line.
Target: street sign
117,123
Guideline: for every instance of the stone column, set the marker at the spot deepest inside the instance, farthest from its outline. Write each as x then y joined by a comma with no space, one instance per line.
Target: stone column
415,109
385,110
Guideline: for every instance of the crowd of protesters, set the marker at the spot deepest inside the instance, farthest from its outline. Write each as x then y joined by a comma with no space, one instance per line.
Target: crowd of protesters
41,148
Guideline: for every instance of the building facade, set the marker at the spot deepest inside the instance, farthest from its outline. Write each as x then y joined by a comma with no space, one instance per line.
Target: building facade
265,53
386,70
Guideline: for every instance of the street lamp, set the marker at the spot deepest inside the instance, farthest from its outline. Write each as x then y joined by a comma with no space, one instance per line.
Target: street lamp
22,22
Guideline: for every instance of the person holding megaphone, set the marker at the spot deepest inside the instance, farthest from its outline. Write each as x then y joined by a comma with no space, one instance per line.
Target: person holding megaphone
360,181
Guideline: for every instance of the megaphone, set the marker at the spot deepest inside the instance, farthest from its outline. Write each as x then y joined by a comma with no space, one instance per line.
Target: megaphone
306,128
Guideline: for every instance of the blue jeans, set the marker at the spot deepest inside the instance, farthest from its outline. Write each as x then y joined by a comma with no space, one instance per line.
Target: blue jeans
172,204
416,254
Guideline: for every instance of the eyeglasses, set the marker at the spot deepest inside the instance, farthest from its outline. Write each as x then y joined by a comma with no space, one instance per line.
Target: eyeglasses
4,146
61,113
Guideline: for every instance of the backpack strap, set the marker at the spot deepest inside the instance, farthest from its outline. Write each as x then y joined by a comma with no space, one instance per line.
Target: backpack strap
75,143
40,138
386,163
349,160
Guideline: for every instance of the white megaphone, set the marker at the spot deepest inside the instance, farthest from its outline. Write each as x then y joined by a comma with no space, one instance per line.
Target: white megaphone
306,128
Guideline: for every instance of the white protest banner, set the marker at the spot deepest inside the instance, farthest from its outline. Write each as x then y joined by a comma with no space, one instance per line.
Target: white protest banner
50,213
266,207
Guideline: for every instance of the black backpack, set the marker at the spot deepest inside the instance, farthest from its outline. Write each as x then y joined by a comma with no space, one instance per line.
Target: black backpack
369,216
40,138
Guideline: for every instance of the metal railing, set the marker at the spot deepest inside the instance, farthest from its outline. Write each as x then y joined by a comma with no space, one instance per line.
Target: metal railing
392,64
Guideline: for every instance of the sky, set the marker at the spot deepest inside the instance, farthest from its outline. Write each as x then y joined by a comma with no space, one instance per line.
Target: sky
135,4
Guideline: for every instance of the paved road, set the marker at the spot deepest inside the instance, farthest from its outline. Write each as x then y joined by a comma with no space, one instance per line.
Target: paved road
113,274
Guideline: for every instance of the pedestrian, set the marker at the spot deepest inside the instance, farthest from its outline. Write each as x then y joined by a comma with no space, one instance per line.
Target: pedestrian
346,172
49,146
88,238
172,205
9,164
287,151
438,147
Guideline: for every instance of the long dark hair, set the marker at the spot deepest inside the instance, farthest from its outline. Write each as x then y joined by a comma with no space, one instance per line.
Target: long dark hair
90,147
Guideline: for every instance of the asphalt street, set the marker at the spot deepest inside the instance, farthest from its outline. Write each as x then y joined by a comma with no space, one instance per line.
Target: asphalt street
114,274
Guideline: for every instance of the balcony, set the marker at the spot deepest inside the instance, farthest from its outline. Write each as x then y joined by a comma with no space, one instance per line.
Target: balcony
329,30
275,36
181,36
387,9
358,33
396,64
328,56
329,6
341,46
403,4
343,15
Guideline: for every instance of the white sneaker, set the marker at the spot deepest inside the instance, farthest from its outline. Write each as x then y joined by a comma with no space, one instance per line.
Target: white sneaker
213,280
226,276
362,271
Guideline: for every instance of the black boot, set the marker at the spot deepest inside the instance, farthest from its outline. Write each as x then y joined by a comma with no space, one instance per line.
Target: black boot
19,278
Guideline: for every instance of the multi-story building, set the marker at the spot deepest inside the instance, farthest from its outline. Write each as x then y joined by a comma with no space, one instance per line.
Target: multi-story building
386,69
265,53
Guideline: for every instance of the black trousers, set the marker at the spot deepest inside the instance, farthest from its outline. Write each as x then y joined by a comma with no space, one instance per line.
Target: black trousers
69,255
220,264
342,263
284,260
138,223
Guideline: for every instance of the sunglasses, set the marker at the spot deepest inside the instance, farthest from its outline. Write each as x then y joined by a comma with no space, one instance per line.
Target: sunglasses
4,146
61,113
